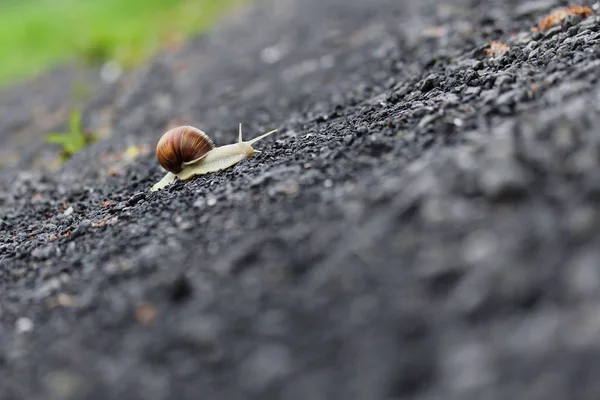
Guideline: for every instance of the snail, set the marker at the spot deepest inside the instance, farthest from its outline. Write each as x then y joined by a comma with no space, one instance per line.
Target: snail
186,151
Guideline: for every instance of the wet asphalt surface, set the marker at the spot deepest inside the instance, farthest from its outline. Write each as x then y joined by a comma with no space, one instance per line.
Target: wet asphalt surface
424,225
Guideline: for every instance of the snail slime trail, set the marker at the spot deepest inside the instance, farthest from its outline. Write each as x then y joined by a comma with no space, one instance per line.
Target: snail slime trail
186,152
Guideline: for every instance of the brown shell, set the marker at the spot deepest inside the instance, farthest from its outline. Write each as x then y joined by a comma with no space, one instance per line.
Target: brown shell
181,145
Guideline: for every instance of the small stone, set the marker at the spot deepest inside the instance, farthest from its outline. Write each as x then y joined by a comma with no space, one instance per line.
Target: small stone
504,181
553,31
271,55
480,246
265,366
429,83
48,287
582,161
68,211
61,300
474,90
43,253
81,228
572,31
285,188
203,334
136,198
23,325
111,71
272,323
185,225
508,98
361,130
584,328
120,206
489,96
581,221
572,20
535,334
503,80
530,47
199,203
589,23
467,367
533,53
583,274
64,385
471,292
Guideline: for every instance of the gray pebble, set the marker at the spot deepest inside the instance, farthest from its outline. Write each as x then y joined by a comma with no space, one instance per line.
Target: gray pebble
42,253
504,180
24,325
429,83
466,367
203,333
507,99
553,31
265,366
590,23
583,274
534,53
136,198
81,228
530,47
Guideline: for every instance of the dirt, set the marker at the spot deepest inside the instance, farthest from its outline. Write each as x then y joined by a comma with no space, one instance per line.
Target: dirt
424,225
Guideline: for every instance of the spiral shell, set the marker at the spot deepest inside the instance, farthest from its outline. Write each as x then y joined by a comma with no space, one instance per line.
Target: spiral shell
181,146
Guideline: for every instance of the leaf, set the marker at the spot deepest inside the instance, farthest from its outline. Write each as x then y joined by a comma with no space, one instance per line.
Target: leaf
58,138
72,141
75,122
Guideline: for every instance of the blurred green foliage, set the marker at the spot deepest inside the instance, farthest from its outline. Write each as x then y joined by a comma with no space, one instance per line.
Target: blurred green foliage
72,141
39,34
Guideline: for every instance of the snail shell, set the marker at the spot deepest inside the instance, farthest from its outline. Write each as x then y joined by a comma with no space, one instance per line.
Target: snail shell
180,146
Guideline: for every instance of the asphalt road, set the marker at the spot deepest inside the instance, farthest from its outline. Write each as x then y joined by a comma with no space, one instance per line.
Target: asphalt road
424,225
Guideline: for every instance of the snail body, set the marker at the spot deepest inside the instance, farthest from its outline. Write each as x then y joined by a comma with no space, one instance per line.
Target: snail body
186,152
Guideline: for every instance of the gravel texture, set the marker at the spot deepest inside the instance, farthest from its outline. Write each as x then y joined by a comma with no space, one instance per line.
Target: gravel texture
424,225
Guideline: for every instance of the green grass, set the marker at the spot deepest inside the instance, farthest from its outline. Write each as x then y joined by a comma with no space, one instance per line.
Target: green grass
38,34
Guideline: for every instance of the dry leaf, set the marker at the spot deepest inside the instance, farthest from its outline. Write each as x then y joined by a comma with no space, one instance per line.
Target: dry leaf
557,16
145,313
497,48
62,299
105,221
